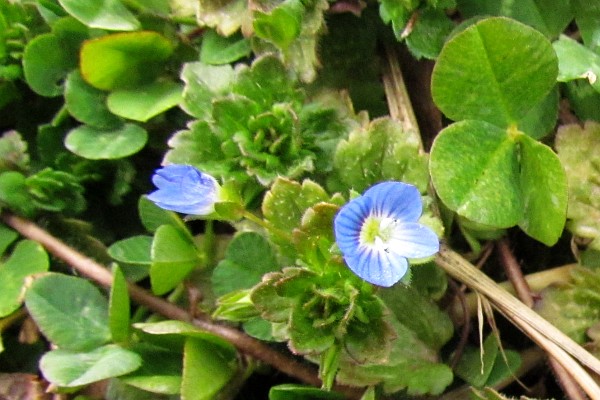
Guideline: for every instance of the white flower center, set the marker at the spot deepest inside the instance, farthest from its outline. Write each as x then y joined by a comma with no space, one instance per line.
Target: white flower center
377,232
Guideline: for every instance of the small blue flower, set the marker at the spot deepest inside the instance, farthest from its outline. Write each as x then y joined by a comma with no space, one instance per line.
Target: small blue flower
184,189
378,231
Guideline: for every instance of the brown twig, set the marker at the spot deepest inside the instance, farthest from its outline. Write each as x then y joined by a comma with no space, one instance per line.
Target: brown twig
515,275
466,325
244,343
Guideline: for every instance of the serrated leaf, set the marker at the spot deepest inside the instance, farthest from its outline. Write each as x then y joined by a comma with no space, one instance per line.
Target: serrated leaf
102,14
576,148
248,257
174,256
225,17
124,60
281,25
88,104
411,366
219,50
199,382
475,75
145,102
118,307
97,144
287,201
378,152
13,152
14,193
70,311
71,369
202,83
27,258
548,16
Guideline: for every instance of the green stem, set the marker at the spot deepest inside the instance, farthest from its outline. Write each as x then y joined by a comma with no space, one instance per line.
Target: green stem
267,226
60,116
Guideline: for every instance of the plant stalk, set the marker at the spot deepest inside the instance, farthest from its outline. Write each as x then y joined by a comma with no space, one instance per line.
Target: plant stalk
102,275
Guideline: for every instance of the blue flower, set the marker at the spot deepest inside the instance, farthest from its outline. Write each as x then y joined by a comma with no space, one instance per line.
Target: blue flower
184,189
378,231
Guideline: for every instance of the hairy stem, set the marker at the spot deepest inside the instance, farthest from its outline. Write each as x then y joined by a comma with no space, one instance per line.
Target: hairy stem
244,343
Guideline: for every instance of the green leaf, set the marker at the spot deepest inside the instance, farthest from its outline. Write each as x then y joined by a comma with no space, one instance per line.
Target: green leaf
248,257
429,33
225,17
70,311
102,14
378,152
184,329
474,168
281,25
27,258
287,201
7,236
587,16
475,75
200,382
541,119
219,50
544,190
14,193
550,17
13,152
152,216
88,104
487,368
573,307
174,256
145,102
97,144
411,366
501,179
577,151
420,315
291,391
134,250
118,307
160,371
202,83
71,369
124,60
56,191
583,99
577,62
46,64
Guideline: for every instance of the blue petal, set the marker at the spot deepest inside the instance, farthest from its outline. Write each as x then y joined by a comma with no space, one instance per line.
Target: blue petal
184,189
348,223
396,200
378,267
171,173
413,240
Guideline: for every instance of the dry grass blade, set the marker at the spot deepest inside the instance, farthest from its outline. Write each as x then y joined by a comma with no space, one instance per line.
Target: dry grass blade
538,329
